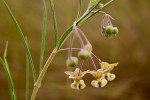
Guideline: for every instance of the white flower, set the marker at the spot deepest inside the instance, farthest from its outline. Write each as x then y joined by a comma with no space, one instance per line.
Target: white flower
77,77
99,83
77,74
107,67
97,73
110,76
78,85
100,79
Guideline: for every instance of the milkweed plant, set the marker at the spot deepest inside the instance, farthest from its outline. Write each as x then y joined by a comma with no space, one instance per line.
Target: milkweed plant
101,73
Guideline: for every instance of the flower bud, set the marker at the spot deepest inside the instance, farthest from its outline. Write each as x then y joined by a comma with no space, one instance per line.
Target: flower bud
84,54
101,5
88,47
115,31
72,61
109,30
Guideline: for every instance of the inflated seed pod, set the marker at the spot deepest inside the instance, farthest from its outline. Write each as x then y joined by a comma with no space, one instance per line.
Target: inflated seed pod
84,54
72,61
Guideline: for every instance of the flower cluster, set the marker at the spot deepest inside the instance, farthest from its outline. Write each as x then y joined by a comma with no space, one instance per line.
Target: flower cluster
101,76
85,51
107,28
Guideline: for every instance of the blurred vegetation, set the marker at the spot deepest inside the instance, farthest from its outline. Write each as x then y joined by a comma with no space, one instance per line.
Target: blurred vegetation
131,48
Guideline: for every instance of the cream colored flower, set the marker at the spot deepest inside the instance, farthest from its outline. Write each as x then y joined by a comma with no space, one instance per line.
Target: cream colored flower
110,76
100,79
77,74
77,77
107,67
99,83
78,85
97,73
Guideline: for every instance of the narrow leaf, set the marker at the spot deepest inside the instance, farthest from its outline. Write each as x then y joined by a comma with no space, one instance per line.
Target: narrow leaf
54,22
43,36
79,8
27,77
23,40
8,74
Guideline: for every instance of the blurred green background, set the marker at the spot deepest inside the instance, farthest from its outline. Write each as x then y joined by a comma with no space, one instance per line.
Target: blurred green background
131,48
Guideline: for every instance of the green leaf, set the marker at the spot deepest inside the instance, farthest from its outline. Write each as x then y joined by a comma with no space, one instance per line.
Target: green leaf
27,77
54,23
79,8
43,35
23,40
8,74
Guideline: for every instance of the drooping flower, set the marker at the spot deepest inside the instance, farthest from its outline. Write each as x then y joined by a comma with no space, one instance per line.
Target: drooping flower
107,68
99,83
110,76
78,85
100,79
77,77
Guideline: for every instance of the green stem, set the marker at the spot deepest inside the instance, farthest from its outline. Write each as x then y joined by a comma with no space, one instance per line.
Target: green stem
37,85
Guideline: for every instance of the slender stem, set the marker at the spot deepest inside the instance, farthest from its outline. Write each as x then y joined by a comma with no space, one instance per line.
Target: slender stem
69,49
71,44
81,64
80,39
93,62
83,35
77,49
96,57
38,82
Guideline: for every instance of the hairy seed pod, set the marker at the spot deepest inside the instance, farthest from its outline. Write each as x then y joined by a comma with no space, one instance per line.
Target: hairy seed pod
72,61
84,54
